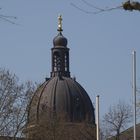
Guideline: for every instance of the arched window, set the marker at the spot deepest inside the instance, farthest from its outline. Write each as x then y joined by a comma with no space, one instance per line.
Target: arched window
66,61
57,61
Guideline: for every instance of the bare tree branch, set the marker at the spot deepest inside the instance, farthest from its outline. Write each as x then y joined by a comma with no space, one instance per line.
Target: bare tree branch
117,118
8,18
128,5
14,98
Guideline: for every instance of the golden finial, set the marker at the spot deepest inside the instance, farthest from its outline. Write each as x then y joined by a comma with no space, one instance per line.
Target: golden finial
60,23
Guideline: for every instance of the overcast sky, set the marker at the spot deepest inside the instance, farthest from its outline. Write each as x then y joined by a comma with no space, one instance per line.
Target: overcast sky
100,45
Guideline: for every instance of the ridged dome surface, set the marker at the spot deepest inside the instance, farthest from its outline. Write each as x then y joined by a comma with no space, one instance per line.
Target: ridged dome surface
61,95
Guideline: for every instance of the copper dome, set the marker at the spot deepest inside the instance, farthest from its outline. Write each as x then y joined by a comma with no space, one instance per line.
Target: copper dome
61,95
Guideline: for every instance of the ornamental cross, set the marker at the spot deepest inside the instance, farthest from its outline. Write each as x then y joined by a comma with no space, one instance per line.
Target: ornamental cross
60,23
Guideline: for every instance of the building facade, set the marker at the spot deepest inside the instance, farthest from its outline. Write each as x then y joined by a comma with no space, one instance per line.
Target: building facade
128,134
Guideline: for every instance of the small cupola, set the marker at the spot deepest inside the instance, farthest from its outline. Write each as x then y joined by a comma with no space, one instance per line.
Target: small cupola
60,54
60,40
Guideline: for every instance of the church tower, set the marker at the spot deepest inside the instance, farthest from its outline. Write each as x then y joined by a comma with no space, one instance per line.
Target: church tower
60,54
60,107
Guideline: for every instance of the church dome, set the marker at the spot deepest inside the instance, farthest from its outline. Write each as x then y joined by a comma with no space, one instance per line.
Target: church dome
64,96
60,96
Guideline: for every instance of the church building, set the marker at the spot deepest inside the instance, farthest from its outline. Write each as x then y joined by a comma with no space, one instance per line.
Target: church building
61,109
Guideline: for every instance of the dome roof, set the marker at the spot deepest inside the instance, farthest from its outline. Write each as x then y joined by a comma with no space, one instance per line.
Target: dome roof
60,40
61,95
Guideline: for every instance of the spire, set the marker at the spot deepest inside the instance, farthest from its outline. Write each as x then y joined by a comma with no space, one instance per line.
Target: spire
60,23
